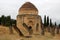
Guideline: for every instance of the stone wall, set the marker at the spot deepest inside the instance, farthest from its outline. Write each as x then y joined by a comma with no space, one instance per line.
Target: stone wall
29,20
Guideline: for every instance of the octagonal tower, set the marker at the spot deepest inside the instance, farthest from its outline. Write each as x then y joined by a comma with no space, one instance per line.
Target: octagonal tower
28,19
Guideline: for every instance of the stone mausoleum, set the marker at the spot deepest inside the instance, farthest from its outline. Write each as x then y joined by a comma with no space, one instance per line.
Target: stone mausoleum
28,18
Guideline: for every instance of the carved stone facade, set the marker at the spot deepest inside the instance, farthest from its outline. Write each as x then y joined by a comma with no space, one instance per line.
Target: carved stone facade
28,18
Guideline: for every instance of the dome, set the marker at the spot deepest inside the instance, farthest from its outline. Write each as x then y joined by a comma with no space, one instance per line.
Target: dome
28,7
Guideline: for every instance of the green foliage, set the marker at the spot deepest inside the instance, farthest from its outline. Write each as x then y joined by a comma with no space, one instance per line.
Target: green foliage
8,21
13,22
50,22
47,20
59,25
0,20
3,20
55,24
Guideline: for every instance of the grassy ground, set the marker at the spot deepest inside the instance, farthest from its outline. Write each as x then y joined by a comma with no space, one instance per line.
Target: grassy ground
5,35
34,37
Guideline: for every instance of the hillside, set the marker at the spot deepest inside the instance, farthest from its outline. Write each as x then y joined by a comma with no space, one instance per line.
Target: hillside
5,35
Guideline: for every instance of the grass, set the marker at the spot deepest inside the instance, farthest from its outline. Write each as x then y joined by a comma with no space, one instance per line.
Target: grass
5,35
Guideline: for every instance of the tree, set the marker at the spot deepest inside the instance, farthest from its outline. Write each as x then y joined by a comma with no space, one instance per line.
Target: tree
50,23
8,21
9,24
47,20
0,20
13,22
3,20
59,25
55,24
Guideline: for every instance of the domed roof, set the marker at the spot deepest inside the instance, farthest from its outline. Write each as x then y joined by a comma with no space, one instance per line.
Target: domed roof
28,6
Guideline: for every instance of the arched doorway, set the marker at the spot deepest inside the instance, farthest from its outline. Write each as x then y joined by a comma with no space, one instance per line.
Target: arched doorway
30,23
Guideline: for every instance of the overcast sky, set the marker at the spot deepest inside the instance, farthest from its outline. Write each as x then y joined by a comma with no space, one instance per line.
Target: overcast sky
50,8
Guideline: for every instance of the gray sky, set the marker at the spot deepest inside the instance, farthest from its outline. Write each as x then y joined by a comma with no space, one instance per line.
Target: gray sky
50,8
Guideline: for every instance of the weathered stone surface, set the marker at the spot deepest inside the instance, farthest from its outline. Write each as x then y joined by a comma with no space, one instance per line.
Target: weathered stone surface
28,8
30,17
